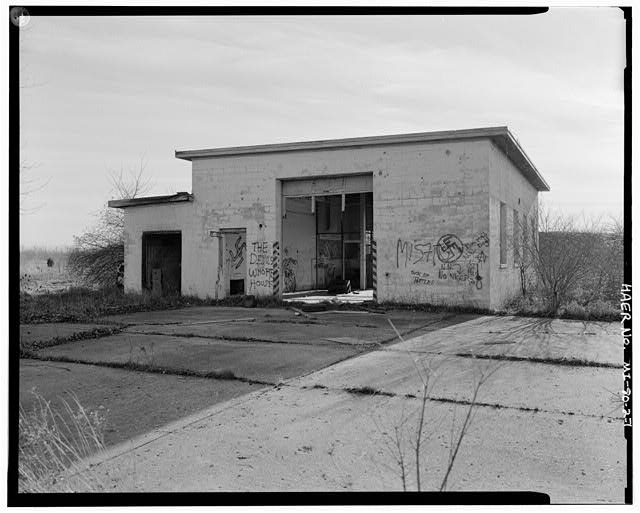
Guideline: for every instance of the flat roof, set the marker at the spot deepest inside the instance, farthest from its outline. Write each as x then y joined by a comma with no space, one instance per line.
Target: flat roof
151,200
500,135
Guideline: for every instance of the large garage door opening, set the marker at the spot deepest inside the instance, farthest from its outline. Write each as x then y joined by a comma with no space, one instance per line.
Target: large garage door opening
161,262
326,235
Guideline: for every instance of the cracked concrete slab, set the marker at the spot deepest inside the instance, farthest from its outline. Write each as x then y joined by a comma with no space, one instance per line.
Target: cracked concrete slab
313,440
557,429
279,325
270,362
523,385
290,332
31,334
528,338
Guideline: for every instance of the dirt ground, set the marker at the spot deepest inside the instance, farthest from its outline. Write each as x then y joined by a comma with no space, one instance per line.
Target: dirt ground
317,399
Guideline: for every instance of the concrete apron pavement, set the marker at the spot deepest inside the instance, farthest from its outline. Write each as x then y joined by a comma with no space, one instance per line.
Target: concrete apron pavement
543,427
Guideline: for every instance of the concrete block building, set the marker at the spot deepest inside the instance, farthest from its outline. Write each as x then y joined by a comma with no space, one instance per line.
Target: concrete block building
435,217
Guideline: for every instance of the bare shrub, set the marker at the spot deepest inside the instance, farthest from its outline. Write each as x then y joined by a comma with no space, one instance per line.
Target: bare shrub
98,254
53,443
573,261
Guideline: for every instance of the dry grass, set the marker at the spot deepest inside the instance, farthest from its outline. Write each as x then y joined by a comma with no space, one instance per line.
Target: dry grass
535,306
52,444
80,304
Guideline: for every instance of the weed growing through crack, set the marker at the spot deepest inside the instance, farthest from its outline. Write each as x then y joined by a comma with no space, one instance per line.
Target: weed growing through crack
28,347
407,443
53,442
367,390
618,399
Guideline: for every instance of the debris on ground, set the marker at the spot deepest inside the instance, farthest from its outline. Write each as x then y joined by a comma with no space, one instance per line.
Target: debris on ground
299,312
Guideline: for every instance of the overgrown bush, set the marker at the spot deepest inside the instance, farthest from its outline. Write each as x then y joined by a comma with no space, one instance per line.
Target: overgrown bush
530,305
53,443
574,310
573,266
96,265
595,311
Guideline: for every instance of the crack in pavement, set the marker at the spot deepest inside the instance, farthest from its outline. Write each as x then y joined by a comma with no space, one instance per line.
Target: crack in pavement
152,369
362,390
366,390
227,338
567,362
31,364
96,333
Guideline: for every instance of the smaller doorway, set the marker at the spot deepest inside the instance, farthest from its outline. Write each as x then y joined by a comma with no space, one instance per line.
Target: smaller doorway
235,260
162,262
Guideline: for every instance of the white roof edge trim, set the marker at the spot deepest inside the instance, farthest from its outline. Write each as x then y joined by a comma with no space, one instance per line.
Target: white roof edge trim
525,165
344,143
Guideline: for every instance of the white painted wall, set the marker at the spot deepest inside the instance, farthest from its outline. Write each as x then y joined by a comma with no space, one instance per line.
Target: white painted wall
299,246
509,186
164,217
423,192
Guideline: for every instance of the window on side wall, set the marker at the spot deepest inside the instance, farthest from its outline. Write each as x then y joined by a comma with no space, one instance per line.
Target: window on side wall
503,234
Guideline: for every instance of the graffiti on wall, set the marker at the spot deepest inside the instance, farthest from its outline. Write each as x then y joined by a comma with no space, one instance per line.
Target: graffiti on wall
236,253
329,255
236,256
260,266
449,248
467,272
289,265
421,278
448,259
329,249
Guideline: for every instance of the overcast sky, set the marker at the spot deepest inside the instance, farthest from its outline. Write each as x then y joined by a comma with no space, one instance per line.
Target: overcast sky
104,93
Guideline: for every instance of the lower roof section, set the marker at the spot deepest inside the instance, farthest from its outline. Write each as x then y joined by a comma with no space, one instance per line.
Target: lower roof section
151,200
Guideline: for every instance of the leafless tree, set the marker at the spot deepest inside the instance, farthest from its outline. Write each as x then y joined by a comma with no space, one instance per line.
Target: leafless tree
130,184
98,254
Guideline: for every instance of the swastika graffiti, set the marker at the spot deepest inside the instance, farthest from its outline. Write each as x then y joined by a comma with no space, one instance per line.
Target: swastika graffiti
449,248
